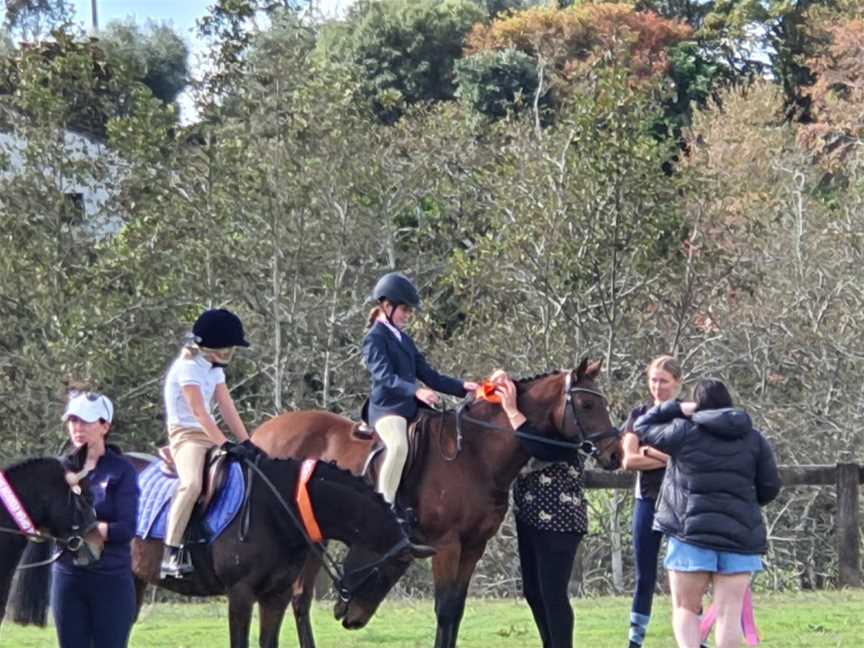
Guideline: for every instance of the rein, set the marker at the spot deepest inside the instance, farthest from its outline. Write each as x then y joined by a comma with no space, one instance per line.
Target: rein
328,562
586,445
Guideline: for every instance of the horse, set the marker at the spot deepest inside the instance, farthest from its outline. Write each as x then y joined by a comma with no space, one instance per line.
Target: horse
259,562
49,505
459,489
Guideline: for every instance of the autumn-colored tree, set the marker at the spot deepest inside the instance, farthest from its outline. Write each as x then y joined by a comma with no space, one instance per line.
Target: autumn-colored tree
837,95
570,41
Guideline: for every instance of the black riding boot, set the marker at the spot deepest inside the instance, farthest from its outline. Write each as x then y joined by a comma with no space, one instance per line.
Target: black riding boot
408,521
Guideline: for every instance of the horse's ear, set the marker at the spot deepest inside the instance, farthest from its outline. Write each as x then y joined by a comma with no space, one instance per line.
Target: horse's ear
74,461
593,369
580,370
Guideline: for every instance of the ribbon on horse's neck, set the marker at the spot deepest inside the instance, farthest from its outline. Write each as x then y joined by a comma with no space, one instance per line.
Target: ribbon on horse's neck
15,507
304,502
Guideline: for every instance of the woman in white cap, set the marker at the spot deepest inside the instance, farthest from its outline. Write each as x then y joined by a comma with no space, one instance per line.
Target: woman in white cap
194,381
95,605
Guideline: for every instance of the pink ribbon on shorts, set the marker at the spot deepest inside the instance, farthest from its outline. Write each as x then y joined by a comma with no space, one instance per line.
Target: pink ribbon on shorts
748,620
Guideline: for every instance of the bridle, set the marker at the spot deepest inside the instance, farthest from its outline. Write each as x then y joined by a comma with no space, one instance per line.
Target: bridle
73,542
330,565
587,442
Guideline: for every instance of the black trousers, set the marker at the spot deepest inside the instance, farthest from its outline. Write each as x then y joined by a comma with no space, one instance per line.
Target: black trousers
546,558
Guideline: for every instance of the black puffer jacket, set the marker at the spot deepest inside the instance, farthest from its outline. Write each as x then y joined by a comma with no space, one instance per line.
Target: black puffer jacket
721,471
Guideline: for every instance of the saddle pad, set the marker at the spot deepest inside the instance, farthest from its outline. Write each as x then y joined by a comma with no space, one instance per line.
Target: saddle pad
157,489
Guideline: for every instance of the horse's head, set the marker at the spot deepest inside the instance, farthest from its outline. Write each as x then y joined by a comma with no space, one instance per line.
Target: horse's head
364,588
350,511
578,411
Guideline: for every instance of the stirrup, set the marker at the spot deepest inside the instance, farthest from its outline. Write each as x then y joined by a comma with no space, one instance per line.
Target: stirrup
177,565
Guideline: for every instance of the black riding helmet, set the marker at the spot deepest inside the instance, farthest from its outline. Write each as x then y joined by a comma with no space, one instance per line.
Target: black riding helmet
219,328
398,289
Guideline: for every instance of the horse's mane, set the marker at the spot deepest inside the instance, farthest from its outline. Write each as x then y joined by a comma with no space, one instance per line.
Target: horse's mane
529,379
24,464
356,483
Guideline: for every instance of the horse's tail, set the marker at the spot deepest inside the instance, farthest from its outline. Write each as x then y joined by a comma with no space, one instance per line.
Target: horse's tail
28,601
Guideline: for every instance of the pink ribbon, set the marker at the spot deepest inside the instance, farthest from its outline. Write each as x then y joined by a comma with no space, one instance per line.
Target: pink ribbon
748,620
14,506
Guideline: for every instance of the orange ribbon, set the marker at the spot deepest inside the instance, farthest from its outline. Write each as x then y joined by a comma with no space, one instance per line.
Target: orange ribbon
486,391
304,503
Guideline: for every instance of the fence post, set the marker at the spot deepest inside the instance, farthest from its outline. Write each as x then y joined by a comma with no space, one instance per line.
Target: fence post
848,534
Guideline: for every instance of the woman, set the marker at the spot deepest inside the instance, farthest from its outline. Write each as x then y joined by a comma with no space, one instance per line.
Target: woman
721,470
664,383
395,364
551,519
195,379
95,606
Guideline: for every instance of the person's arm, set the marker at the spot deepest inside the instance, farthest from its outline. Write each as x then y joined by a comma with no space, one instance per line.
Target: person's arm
381,369
126,495
638,457
229,412
663,427
438,381
195,399
768,482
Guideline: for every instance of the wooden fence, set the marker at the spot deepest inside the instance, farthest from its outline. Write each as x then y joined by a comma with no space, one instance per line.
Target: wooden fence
846,477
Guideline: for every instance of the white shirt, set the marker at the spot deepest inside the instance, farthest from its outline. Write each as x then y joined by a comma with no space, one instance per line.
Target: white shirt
191,371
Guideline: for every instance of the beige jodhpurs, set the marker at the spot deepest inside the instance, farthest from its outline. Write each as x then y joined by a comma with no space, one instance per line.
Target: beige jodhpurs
393,431
189,448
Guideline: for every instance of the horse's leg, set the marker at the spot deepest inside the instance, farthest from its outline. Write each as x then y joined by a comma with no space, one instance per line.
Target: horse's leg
271,610
240,601
140,588
301,601
452,569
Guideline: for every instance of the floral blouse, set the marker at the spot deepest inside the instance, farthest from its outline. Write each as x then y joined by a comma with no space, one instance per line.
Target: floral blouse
550,496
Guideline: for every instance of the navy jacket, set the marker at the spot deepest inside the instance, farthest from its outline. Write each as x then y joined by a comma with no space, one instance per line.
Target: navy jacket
721,471
114,486
395,368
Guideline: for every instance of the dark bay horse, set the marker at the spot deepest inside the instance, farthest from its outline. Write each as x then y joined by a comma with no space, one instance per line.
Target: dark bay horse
262,567
61,513
460,494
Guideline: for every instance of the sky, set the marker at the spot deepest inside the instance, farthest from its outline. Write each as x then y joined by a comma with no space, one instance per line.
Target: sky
181,14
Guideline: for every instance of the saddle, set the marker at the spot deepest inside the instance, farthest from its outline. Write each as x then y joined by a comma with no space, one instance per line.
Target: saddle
215,473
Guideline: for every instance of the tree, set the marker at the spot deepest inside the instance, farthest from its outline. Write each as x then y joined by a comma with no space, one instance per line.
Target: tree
31,20
157,56
568,46
405,50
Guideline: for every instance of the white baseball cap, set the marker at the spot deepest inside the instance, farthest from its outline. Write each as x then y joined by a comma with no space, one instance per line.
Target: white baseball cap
89,407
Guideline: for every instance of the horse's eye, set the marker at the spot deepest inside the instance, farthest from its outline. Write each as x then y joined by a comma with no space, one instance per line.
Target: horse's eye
588,406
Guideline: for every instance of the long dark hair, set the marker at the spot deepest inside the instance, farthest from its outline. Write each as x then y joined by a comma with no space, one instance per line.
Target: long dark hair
710,394
31,590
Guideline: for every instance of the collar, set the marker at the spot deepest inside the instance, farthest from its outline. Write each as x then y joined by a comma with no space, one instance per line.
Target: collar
392,328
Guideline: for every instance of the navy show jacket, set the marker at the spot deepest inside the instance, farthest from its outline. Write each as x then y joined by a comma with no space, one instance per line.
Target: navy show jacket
395,366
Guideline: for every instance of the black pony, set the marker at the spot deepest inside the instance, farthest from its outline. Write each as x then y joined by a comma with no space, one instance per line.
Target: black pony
54,497
259,561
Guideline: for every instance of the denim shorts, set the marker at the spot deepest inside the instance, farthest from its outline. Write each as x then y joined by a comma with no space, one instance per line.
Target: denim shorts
685,557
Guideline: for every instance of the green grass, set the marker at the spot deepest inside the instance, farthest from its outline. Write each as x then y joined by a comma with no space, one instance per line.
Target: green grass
812,620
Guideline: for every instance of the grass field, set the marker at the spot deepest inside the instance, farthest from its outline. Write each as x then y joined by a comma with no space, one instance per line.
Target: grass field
812,620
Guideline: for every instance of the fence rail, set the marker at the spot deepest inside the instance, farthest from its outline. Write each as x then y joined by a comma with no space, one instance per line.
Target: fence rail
846,477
